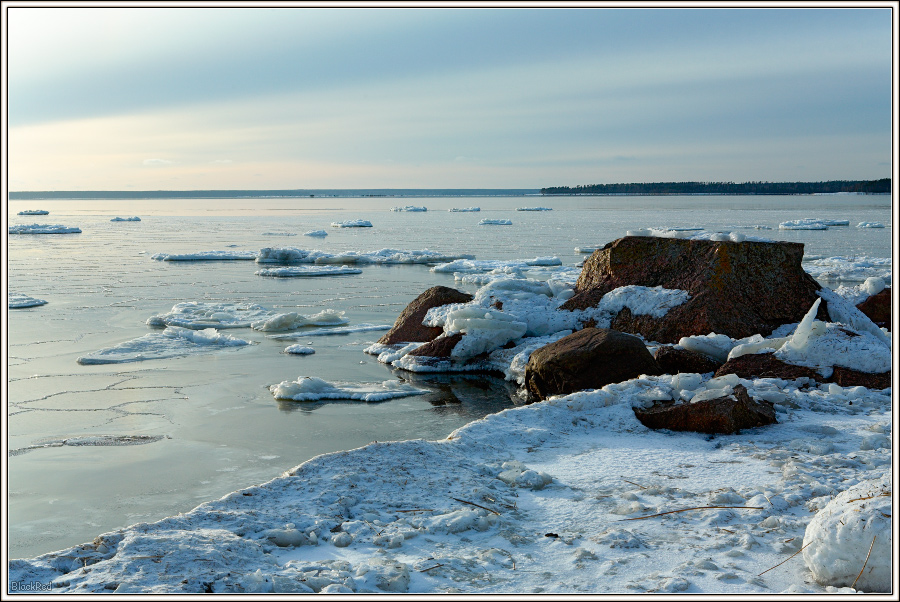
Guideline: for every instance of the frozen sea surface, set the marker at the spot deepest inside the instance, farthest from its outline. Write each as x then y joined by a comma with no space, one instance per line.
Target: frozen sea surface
214,426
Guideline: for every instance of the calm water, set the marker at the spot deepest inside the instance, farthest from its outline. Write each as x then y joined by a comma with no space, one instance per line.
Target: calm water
218,427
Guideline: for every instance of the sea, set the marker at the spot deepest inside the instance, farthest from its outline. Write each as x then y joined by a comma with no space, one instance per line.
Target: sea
96,447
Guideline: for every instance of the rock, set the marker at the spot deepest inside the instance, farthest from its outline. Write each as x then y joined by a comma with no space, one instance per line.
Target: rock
672,360
878,308
737,289
722,415
587,359
439,347
409,329
765,365
846,377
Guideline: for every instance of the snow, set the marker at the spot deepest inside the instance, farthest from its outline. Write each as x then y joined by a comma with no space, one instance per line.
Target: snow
292,255
43,229
316,233
125,219
495,222
464,209
206,256
353,223
811,223
172,342
564,496
299,350
20,301
293,321
34,212
409,208
855,524
307,271
310,388
199,315
870,225
533,209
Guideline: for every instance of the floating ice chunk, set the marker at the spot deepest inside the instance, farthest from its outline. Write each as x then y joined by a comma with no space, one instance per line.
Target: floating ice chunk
586,250
43,229
318,332
495,222
299,350
291,255
534,209
851,532
307,271
870,225
638,232
354,223
412,208
316,233
310,388
198,315
207,256
544,261
643,300
847,269
464,209
812,224
20,301
34,212
172,342
125,219
293,321
279,234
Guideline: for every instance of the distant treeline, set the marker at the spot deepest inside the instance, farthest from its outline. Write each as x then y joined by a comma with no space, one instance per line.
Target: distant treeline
664,188
241,194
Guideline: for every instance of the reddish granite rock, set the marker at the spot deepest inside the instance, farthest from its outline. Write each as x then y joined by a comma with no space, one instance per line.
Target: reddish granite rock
722,415
672,360
587,359
765,365
846,377
737,289
408,327
439,347
878,308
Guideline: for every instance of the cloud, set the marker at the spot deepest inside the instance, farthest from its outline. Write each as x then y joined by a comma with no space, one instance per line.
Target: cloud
156,162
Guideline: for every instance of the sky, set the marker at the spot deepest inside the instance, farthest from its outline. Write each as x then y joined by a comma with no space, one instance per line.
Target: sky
149,97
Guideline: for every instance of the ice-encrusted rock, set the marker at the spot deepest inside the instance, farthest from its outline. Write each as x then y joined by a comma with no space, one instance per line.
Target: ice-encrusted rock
409,329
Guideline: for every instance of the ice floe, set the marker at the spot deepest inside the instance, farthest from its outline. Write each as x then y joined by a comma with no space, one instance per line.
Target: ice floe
307,271
311,388
870,225
34,212
293,321
299,350
586,250
125,219
318,332
43,229
812,224
495,222
206,256
840,269
354,223
382,256
690,233
534,209
316,233
20,301
199,315
172,342
279,234
464,209
411,208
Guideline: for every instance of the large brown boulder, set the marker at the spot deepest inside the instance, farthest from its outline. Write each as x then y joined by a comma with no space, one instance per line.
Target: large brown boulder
440,347
672,360
587,359
409,329
847,377
878,308
737,289
723,415
765,365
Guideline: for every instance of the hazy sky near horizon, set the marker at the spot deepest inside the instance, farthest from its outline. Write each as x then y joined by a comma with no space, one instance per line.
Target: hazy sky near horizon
244,98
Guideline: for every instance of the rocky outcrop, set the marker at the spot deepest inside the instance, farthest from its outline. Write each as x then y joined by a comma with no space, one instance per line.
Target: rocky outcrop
765,365
673,360
737,289
878,308
587,359
409,329
723,415
440,347
846,377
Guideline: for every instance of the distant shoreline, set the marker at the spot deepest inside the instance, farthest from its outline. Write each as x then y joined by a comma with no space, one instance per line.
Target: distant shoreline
286,194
